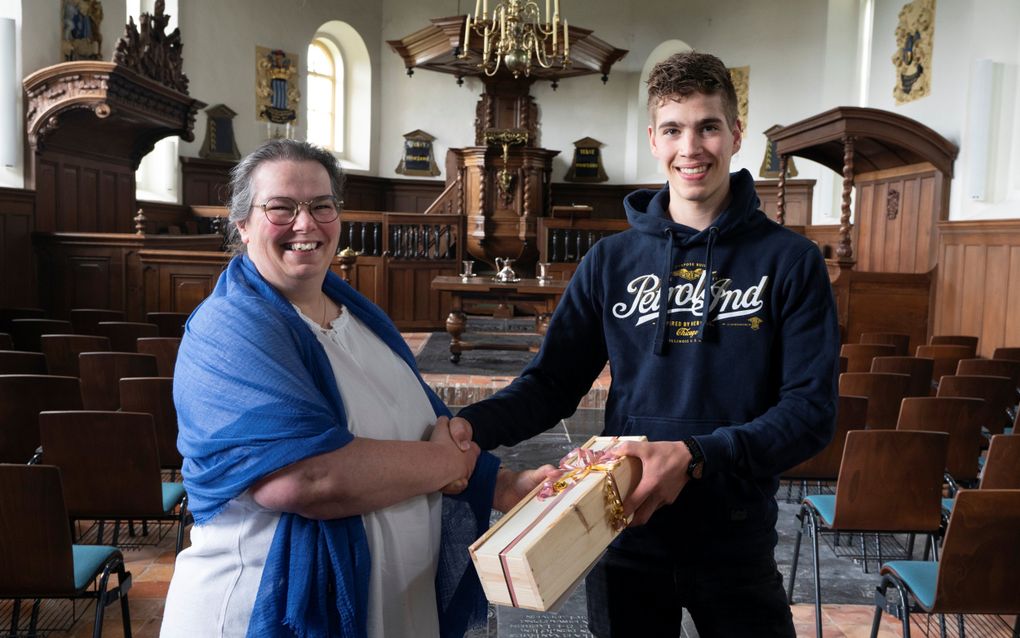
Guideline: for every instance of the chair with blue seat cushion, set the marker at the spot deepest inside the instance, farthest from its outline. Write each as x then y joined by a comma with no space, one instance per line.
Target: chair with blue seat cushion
62,351
155,396
26,332
5,341
859,355
1001,469
978,572
110,463
884,392
85,320
960,418
967,341
889,481
823,467
37,558
917,368
22,398
998,393
898,340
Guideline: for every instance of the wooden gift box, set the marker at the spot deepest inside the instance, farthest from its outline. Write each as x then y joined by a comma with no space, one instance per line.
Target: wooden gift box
535,555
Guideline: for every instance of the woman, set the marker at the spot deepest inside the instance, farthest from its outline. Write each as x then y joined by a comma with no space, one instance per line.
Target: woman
303,420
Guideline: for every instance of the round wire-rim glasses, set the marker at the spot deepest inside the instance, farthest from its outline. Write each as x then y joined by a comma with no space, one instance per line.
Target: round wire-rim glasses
281,211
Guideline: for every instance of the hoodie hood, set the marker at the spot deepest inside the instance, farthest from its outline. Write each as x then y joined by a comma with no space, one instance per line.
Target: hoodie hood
648,212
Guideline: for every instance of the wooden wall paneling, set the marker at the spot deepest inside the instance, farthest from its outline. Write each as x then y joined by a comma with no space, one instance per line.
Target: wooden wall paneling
884,302
826,236
166,217
17,261
204,181
77,193
101,270
978,284
411,196
896,214
799,195
1012,288
178,280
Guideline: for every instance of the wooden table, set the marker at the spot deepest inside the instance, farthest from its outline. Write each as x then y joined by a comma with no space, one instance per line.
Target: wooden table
533,296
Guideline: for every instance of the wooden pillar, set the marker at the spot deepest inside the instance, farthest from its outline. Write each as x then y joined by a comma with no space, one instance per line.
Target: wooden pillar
845,249
781,191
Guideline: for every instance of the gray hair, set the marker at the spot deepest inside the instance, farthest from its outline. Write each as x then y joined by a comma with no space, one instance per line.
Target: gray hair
242,192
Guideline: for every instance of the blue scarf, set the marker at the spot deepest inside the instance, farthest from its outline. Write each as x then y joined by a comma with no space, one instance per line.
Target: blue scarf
255,392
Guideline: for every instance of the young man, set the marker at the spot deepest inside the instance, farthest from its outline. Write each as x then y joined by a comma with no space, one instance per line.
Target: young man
720,330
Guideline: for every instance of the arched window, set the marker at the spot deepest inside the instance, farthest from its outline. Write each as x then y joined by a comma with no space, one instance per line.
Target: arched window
338,107
325,95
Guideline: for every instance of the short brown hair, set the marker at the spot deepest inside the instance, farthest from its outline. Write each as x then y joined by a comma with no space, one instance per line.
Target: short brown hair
683,74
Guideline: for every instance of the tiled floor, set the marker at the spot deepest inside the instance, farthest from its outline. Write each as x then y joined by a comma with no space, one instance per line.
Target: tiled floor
152,567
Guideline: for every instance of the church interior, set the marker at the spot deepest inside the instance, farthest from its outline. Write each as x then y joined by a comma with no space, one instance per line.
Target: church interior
886,131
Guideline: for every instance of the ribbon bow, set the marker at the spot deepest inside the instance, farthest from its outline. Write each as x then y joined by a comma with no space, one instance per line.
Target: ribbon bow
579,463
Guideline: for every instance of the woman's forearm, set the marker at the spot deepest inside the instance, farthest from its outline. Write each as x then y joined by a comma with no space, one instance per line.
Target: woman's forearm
363,476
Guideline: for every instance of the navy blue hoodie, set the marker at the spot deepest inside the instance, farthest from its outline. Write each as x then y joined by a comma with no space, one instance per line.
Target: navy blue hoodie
754,381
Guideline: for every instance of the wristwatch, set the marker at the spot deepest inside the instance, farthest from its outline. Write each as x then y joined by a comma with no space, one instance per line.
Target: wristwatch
697,464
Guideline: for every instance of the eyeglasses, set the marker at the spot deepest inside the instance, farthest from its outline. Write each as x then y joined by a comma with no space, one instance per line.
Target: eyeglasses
281,211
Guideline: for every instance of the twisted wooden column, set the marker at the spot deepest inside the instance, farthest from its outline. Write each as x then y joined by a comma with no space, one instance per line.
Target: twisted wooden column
781,192
845,250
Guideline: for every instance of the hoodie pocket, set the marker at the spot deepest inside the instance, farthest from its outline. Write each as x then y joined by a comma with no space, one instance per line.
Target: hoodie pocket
722,497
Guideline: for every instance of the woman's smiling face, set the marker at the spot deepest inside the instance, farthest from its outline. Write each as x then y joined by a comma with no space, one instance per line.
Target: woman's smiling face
294,257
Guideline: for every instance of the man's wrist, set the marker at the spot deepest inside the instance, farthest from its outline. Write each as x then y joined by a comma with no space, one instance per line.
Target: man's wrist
696,466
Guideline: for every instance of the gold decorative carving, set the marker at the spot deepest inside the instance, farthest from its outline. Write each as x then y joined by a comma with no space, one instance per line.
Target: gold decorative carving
276,86
506,138
914,45
740,76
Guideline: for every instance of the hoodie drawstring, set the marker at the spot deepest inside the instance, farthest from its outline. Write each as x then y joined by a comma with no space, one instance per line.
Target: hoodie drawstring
659,346
707,307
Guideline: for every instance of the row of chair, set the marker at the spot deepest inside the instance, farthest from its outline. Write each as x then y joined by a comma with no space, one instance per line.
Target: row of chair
23,397
886,391
891,481
24,333
84,320
61,354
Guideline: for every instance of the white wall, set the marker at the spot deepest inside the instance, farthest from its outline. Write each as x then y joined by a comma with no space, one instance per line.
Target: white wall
802,54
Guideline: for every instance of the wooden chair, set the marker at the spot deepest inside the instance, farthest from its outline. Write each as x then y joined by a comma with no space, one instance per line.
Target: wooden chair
110,464
955,340
990,368
22,398
918,369
884,392
85,320
1002,464
101,373
851,414
171,324
960,418
889,481
26,332
998,393
5,341
155,396
843,364
1013,354
62,351
123,335
165,351
20,362
978,572
945,358
859,355
37,557
9,314
900,341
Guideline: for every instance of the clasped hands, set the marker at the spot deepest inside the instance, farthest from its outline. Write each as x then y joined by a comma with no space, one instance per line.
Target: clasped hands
511,486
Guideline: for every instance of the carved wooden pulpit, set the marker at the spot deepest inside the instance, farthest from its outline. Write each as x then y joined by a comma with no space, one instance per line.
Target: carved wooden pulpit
501,183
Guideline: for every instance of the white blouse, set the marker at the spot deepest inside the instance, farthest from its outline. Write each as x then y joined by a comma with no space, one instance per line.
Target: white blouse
217,578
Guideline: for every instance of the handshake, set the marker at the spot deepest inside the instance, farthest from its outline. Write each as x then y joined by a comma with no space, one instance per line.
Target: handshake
454,436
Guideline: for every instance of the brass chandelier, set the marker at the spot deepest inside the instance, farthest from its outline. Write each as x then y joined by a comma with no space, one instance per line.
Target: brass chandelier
516,36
